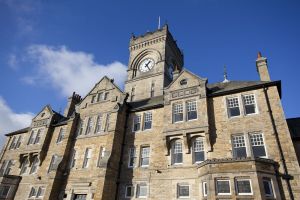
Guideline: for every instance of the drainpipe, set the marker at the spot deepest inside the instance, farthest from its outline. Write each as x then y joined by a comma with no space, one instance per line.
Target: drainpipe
286,175
122,153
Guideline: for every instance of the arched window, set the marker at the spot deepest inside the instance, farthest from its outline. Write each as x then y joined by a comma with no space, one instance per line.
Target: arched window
198,150
176,150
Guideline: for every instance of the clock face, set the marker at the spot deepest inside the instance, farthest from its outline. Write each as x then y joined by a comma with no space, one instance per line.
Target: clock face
146,65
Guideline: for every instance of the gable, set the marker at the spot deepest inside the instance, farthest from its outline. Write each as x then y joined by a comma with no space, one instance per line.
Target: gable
186,79
45,113
104,90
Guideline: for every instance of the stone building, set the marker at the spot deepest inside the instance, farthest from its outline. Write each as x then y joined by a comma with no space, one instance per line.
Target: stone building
169,135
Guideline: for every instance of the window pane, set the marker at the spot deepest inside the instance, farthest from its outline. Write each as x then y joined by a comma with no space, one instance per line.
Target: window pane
239,146
191,110
257,143
243,186
183,191
129,191
177,152
137,123
204,188
268,187
223,187
148,120
142,191
233,107
198,147
249,102
145,156
131,157
98,124
178,112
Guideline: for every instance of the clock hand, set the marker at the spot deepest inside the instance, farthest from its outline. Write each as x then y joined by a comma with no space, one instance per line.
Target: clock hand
146,64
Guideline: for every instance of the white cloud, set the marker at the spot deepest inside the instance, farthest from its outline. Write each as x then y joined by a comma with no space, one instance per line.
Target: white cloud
11,121
69,71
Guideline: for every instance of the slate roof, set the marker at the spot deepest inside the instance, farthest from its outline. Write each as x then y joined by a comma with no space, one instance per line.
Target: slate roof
23,130
294,126
222,88
147,103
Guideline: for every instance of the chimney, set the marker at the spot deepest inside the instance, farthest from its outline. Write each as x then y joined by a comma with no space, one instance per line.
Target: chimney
262,68
72,101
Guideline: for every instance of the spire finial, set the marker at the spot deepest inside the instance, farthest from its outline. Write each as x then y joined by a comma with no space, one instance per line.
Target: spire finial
225,75
259,55
158,22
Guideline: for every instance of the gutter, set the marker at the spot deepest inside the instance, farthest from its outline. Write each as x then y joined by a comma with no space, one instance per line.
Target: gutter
286,176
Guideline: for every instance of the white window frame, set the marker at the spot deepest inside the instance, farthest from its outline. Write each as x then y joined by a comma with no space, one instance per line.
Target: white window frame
187,109
176,111
194,151
204,192
147,119
223,180
138,186
271,186
87,158
101,155
132,155
99,124
244,104
61,135
39,189
228,106
132,191
89,126
178,188
173,151
13,143
245,143
243,179
263,140
26,159
35,164
80,127
135,117
73,159
144,156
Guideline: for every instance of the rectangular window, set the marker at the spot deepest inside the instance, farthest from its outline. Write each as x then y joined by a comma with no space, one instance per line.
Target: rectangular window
8,167
233,107
87,157
40,192
89,126
106,96
136,123
141,191
191,108
34,165
98,124
183,190
132,157
204,189
198,147
147,120
53,164
129,191
177,112
33,192
80,128
268,187
93,99
100,97
24,166
18,142
31,138
223,187
73,159
60,135
3,166
145,155
177,152
132,94
13,143
239,146
38,136
249,103
257,144
152,89
243,187
101,156
4,189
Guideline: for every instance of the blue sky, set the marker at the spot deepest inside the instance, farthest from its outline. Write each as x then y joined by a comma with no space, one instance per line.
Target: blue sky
50,48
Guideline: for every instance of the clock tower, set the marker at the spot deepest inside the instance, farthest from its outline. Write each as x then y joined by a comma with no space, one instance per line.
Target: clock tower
153,58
